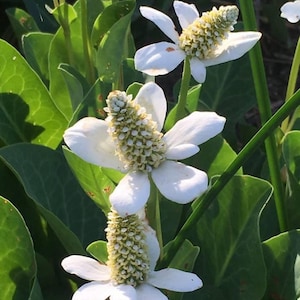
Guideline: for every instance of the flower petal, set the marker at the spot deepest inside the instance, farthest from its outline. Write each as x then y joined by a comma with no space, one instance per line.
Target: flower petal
131,194
291,11
90,140
234,47
158,59
148,292
153,99
186,13
123,292
198,70
178,182
153,246
196,128
175,280
93,291
162,21
181,151
86,268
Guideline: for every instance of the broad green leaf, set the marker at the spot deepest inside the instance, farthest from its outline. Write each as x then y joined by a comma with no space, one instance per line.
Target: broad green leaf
64,14
21,21
98,250
291,155
229,90
214,157
113,46
38,10
183,260
36,48
17,259
93,102
27,112
74,86
48,180
231,261
67,48
96,184
283,266
36,293
191,105
106,19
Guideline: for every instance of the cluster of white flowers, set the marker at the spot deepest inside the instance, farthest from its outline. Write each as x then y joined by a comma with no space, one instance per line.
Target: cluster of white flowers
131,140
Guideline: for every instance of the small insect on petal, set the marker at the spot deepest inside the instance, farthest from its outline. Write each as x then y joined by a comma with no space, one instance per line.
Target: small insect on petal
170,49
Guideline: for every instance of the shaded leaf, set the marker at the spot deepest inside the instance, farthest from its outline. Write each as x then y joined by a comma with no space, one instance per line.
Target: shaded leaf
282,261
48,180
231,261
96,184
17,259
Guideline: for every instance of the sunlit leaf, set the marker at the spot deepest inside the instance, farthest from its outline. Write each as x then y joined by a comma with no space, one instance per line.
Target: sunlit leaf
27,112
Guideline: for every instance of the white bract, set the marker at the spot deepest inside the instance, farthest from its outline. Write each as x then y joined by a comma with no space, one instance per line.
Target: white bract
130,140
103,285
291,11
206,40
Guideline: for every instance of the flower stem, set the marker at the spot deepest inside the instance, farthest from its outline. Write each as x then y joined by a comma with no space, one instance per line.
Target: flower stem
288,123
184,88
153,214
242,157
263,101
86,44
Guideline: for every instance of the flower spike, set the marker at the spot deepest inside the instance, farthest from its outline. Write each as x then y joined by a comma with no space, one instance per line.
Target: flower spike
206,40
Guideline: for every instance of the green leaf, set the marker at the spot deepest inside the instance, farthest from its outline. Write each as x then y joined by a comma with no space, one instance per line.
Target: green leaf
36,48
27,112
96,184
64,14
36,293
98,250
231,262
291,155
21,21
48,180
191,105
66,48
183,260
234,95
112,49
73,83
283,265
17,259
214,157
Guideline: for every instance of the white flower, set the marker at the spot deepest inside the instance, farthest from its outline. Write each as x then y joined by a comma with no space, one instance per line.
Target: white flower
130,139
103,286
206,40
291,11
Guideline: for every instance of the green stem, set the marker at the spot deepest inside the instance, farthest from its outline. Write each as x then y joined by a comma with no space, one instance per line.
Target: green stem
263,101
242,157
86,44
184,88
287,124
63,20
153,214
